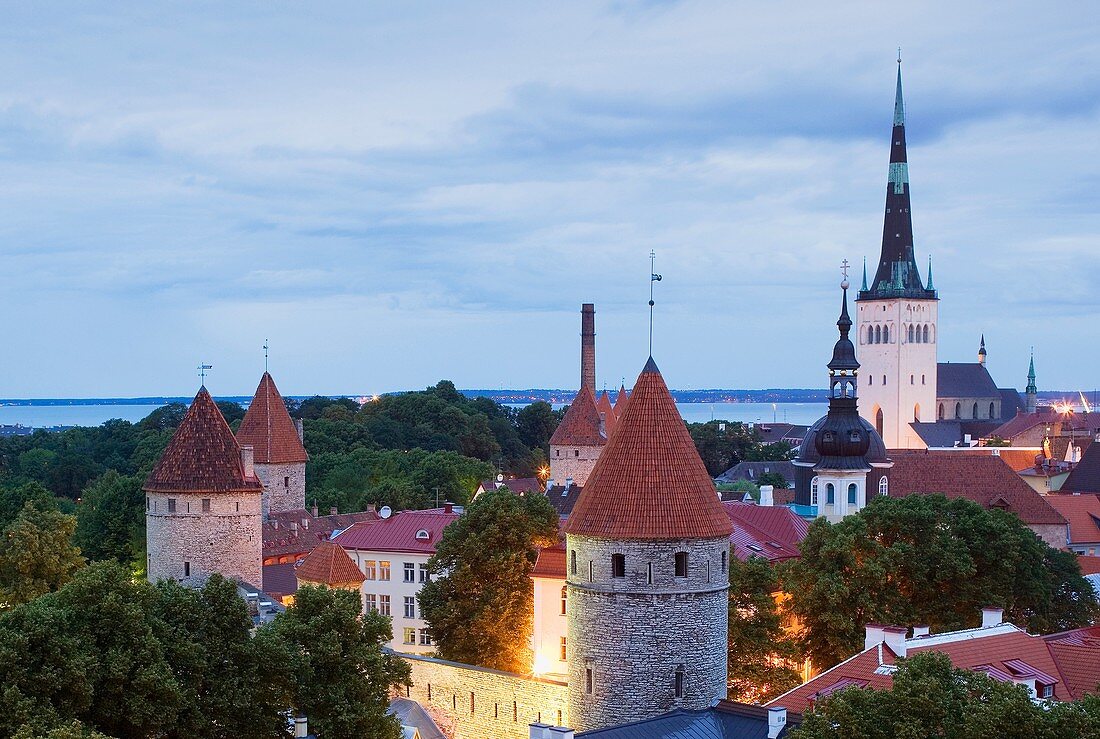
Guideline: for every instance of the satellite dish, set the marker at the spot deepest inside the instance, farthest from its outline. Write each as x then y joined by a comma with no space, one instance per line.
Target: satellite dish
500,478
386,512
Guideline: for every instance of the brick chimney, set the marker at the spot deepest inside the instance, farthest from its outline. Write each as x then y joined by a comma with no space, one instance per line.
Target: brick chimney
588,346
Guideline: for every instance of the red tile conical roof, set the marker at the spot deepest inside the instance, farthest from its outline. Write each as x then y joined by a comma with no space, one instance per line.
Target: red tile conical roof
607,413
269,429
649,482
329,564
620,402
203,456
581,425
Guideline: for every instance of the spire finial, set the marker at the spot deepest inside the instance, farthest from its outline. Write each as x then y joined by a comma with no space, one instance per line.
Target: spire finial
844,271
930,286
202,368
653,277
899,104
266,342
864,287
899,56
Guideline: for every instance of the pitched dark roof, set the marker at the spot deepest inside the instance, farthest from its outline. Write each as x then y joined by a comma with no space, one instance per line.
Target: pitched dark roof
299,531
726,720
269,429
581,424
964,380
774,533
1011,402
564,499
203,456
649,482
1085,477
279,579
984,479
939,434
519,485
753,470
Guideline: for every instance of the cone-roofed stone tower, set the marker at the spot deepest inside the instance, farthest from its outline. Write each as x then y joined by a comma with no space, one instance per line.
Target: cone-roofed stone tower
897,315
202,511
577,441
280,457
647,557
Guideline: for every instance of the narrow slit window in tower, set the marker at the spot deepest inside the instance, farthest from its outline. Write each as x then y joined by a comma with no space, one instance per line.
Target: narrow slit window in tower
618,565
681,564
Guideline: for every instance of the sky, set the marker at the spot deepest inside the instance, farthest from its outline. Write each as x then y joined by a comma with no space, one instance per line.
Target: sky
396,193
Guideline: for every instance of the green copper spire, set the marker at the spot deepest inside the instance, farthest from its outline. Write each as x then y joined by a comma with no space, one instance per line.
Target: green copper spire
864,288
930,286
899,105
1031,389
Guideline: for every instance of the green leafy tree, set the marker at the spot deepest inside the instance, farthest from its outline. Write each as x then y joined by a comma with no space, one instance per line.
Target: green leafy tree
932,698
340,677
110,521
928,560
165,418
774,479
478,607
536,424
762,657
14,499
36,554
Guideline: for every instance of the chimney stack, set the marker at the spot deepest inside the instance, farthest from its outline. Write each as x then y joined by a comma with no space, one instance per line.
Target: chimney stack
777,719
247,458
538,731
448,508
894,636
313,509
560,732
992,617
767,495
301,727
333,510
874,634
588,346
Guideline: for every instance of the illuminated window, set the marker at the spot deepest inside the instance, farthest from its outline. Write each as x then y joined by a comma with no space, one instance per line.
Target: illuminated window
410,636
383,570
561,651
370,569
564,598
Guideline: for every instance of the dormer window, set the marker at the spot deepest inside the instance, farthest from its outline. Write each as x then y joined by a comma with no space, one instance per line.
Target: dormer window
423,534
828,437
853,436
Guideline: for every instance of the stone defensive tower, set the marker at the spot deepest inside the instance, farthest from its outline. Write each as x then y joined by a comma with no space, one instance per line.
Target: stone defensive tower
279,456
647,549
202,503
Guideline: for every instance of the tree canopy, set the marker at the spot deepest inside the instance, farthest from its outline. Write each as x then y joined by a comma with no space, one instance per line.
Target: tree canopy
932,698
925,559
722,444
479,604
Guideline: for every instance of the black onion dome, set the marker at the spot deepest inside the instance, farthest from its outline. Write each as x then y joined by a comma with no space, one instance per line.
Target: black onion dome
811,456
844,352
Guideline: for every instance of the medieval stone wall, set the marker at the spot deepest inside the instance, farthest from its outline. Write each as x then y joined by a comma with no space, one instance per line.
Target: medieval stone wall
477,703
635,632
573,461
226,539
284,486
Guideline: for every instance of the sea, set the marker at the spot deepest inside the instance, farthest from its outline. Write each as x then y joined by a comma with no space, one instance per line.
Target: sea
54,416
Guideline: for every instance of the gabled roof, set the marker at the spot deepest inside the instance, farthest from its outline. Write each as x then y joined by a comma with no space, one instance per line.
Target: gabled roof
551,562
1083,513
399,533
964,380
203,456
984,479
999,651
773,533
620,400
1085,477
1011,402
269,429
329,564
753,470
1089,565
563,498
581,424
299,531
649,482
279,579
518,485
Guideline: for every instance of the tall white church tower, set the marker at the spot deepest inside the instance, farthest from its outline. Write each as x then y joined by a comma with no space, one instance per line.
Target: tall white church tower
896,317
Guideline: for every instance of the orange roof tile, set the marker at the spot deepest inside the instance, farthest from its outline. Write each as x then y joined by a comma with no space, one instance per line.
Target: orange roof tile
269,429
1016,458
1089,565
649,482
581,424
550,563
620,401
1082,510
329,564
607,413
203,456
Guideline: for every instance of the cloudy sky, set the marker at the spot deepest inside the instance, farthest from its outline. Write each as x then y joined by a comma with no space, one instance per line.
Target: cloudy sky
395,193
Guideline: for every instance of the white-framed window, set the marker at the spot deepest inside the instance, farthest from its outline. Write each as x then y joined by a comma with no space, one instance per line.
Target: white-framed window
370,601
423,570
384,605
410,636
853,493
883,486
410,606
410,572
370,569
813,490
425,638
383,570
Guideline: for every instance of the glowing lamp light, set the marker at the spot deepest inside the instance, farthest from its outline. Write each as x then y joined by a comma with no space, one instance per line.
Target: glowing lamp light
544,472
542,664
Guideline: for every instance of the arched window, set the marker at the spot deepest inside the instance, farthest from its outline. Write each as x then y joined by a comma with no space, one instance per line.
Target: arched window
878,422
958,410
830,494
885,334
853,491
916,413
870,379
878,334
925,333
813,490
910,333
883,485
940,413
992,410
564,596
618,565
870,335
975,410
849,389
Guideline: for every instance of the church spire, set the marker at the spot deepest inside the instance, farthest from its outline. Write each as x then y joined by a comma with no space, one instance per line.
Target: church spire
1031,392
897,275
981,351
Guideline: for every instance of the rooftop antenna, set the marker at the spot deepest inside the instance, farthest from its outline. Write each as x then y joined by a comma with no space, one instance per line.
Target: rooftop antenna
899,55
653,277
202,368
266,342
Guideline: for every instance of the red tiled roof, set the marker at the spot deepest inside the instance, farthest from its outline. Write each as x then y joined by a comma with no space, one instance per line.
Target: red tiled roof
398,533
329,564
203,456
771,532
1089,565
551,562
299,531
1023,422
620,401
1082,510
607,412
649,482
1016,458
984,479
1004,649
581,424
269,429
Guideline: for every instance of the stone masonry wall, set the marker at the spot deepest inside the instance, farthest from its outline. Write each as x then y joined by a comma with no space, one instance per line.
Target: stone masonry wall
634,634
502,706
1054,534
284,486
227,539
573,461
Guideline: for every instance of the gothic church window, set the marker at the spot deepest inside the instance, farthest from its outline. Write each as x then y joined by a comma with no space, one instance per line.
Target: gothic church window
925,333
910,333
940,414
885,334
878,334
975,410
870,335
958,410
992,412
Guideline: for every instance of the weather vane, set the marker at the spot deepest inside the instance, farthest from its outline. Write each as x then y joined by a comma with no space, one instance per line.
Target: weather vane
265,354
202,371
653,277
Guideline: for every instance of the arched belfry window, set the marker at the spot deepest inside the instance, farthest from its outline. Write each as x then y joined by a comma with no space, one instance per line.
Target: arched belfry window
870,335
878,422
885,334
910,333
958,410
975,410
992,410
916,413
853,492
883,485
926,333
878,334
940,413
